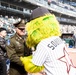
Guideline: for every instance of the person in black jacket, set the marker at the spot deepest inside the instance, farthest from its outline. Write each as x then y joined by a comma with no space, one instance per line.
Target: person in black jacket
3,67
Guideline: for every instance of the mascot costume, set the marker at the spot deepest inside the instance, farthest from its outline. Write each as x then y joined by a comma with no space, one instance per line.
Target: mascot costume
50,51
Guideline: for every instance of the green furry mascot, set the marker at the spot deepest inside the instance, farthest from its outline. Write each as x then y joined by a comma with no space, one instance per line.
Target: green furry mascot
42,25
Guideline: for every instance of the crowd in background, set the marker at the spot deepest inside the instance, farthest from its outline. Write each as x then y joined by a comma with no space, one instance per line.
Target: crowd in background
68,28
7,22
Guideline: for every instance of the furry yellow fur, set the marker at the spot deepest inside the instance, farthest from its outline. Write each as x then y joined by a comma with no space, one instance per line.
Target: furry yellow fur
41,28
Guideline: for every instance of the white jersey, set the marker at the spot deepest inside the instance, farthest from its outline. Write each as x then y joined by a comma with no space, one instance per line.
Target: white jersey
51,53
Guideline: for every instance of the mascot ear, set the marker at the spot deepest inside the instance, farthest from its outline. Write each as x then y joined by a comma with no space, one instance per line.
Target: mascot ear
38,12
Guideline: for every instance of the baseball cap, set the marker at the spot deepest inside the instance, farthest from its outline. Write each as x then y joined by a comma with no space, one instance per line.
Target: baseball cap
40,11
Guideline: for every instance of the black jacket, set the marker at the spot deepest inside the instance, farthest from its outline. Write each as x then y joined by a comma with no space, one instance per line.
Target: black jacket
2,48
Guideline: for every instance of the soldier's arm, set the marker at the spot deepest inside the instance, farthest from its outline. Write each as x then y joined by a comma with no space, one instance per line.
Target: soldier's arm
12,53
28,51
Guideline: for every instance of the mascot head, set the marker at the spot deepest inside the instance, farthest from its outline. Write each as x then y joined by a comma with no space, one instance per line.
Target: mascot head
42,25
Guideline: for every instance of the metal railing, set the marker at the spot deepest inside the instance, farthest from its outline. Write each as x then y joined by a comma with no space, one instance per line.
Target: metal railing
53,7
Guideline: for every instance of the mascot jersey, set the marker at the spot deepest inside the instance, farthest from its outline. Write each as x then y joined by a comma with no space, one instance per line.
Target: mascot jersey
52,53
44,34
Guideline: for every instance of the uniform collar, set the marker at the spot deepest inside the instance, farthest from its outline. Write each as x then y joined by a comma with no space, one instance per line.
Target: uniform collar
17,36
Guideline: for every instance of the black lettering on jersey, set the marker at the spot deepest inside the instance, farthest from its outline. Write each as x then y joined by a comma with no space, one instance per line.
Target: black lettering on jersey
53,44
50,46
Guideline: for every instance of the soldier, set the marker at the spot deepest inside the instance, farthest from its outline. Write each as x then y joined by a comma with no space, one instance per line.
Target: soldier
16,47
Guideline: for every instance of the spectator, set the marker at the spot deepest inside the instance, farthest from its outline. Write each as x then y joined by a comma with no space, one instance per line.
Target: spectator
71,43
3,55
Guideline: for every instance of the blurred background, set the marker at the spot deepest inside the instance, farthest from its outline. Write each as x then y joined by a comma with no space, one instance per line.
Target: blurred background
12,11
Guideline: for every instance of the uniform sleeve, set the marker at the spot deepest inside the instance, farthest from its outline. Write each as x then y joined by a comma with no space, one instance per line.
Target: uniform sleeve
40,55
12,53
27,51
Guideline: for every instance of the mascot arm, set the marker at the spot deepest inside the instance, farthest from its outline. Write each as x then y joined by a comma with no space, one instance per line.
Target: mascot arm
29,66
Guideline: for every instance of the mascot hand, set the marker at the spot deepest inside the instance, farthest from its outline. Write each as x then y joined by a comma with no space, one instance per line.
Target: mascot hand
29,66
